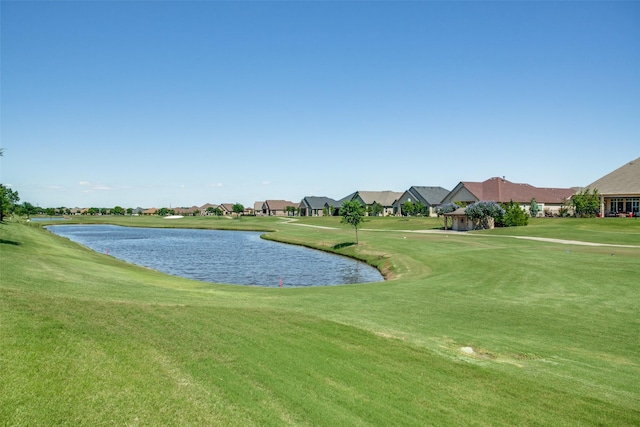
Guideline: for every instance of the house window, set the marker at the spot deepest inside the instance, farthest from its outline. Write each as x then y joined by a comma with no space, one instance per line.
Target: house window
617,205
633,205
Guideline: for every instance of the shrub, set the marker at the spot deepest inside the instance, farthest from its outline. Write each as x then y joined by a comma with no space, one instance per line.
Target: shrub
513,216
483,212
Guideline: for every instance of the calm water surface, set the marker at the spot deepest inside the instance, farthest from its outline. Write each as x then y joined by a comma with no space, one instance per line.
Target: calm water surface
218,256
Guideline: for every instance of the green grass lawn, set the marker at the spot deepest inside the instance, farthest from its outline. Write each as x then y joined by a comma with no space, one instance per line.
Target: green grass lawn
88,340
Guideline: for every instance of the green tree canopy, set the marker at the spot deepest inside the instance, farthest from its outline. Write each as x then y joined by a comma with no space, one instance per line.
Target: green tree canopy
8,200
238,208
586,203
408,208
117,210
352,213
513,216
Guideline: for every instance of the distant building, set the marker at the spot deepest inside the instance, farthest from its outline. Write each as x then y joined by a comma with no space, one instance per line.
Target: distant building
383,200
429,197
502,191
277,207
620,190
317,206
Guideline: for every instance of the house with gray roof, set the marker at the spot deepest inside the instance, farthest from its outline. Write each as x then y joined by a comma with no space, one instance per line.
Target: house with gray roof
429,197
318,206
620,190
374,200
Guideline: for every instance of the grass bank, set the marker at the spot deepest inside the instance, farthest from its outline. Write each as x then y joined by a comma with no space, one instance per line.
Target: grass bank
471,329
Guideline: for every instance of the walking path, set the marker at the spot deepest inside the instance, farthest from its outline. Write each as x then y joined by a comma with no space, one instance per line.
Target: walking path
292,221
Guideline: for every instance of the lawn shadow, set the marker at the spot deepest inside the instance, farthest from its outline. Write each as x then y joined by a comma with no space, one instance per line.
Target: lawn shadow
343,245
9,242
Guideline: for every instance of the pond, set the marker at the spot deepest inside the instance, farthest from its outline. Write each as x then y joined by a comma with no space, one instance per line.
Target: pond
220,256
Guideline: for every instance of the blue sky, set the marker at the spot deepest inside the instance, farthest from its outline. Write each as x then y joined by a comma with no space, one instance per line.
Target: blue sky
180,103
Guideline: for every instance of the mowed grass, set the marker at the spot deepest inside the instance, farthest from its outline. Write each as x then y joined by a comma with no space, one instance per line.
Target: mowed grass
88,340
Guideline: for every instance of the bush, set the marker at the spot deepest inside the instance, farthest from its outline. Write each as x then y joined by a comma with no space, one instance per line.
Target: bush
482,212
586,204
513,216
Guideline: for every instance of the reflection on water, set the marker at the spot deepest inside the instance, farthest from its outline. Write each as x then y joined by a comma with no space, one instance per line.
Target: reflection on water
218,256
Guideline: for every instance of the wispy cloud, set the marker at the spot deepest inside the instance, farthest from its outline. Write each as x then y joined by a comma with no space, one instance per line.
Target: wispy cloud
89,187
266,182
217,185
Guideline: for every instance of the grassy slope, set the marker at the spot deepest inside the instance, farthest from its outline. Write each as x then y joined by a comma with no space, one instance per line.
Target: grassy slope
88,339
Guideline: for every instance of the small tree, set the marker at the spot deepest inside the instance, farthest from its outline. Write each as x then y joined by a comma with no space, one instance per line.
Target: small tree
8,200
117,210
214,211
483,212
419,209
586,203
408,208
290,210
237,209
533,208
446,208
353,214
513,216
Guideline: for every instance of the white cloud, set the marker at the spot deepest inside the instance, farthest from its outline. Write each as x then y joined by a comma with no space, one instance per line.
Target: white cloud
218,184
266,183
94,187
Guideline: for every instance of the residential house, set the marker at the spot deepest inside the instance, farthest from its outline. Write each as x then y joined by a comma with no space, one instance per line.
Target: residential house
429,197
150,211
204,209
317,206
374,200
620,190
257,208
277,207
226,208
549,200
193,210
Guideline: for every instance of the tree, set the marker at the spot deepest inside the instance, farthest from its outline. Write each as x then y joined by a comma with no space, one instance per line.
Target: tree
214,211
419,208
117,210
8,200
290,210
446,208
533,208
129,211
408,208
26,209
352,213
237,209
513,216
376,209
586,203
165,212
482,213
